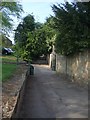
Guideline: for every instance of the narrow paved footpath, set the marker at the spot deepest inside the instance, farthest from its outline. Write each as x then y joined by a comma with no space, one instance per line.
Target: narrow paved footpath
49,96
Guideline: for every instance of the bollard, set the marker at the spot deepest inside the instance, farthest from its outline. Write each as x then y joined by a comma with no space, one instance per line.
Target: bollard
31,69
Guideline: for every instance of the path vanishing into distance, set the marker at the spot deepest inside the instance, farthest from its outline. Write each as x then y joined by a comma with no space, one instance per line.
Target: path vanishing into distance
48,95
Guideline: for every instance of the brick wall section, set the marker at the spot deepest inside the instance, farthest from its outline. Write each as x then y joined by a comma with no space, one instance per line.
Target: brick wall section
77,66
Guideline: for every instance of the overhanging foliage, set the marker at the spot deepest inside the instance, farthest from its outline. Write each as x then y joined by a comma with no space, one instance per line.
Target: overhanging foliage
72,23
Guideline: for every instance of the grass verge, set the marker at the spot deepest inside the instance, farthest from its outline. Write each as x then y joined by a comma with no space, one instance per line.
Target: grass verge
7,71
8,58
7,68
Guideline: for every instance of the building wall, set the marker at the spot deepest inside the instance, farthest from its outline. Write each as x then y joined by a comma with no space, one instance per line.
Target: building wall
77,66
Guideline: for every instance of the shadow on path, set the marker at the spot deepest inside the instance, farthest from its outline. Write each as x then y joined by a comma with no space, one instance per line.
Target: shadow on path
49,96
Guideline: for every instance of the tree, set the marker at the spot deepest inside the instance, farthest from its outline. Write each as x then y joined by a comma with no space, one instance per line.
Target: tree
37,44
8,9
34,38
40,41
21,32
50,33
21,35
72,24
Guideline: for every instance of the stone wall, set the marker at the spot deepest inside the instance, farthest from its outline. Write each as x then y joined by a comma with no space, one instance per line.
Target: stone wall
77,66
60,63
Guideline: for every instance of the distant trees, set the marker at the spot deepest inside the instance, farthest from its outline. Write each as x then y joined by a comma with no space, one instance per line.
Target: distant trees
71,22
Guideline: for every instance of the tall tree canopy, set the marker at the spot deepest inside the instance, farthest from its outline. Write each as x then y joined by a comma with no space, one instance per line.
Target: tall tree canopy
50,32
21,34
72,22
8,9
34,38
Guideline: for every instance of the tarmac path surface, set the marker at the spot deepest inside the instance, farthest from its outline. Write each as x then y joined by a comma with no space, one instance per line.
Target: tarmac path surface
49,96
